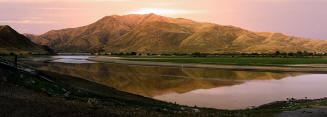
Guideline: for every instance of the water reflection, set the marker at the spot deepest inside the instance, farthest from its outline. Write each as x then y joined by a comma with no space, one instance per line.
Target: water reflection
202,87
71,59
253,93
223,89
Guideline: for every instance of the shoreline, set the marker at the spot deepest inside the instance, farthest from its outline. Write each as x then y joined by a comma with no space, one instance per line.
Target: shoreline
270,109
307,68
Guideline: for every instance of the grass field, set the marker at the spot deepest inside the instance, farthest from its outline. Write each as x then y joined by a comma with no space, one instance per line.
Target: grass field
232,60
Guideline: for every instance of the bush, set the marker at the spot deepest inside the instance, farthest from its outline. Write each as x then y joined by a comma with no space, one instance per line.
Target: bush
133,53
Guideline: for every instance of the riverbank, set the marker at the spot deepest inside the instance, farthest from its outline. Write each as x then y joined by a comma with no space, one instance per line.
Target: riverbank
307,68
25,94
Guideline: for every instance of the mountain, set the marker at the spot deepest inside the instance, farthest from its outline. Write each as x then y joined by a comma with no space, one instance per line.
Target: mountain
152,33
13,42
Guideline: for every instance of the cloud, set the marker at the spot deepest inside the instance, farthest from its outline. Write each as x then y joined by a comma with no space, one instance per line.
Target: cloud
26,22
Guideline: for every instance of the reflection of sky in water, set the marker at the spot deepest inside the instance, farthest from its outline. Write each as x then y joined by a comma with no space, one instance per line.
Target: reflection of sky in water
72,59
253,93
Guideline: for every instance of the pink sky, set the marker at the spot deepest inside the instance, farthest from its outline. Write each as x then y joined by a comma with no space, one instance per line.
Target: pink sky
304,18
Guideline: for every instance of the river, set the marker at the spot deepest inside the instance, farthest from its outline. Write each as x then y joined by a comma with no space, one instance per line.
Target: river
212,88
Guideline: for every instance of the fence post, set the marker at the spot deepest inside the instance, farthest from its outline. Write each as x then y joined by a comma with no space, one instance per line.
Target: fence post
15,61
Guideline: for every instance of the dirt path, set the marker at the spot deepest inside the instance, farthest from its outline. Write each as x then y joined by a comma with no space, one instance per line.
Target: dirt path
307,112
310,68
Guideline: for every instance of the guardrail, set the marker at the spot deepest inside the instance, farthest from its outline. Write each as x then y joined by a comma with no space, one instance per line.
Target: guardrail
22,67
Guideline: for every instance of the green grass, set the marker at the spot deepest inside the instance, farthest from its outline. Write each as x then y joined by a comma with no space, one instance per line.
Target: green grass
129,56
234,60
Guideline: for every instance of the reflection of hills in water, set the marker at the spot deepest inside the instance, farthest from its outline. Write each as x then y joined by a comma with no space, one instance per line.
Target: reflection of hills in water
154,81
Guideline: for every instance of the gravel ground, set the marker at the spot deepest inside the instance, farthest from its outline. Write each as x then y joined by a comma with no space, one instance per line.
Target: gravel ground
320,111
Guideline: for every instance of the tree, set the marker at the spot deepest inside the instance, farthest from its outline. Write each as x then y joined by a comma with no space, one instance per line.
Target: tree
277,53
133,53
11,54
121,53
196,54
291,54
299,53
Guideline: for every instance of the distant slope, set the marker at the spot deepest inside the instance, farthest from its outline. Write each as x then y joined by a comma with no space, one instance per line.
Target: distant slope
158,34
13,42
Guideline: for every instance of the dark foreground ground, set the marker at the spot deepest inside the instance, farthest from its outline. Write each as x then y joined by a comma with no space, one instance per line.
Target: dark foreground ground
320,111
24,94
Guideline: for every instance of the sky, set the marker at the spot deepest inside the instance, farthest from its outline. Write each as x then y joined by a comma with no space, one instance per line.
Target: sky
303,18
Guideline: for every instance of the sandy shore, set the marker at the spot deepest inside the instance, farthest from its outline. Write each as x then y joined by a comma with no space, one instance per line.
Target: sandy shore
310,68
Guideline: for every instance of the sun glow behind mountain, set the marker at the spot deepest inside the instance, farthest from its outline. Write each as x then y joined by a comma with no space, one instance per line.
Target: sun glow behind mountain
295,17
160,11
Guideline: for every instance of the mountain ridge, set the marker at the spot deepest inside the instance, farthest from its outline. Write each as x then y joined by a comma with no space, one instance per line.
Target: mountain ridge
13,42
151,33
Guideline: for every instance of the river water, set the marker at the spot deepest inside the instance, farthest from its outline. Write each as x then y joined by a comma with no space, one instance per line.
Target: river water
221,89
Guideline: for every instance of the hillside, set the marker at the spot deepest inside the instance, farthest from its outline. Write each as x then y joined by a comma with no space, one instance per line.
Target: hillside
13,42
152,33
